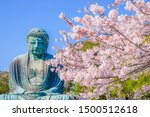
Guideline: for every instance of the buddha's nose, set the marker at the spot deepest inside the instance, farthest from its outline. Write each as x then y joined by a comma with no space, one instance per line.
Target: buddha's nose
36,45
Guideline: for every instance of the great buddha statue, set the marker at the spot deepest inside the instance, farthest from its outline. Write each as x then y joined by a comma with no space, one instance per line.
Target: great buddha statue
30,78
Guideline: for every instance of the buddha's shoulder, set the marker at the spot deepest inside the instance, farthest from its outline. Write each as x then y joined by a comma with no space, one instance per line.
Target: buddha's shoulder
23,57
49,56
19,57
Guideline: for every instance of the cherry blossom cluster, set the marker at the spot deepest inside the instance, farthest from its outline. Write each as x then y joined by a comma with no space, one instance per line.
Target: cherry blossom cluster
123,50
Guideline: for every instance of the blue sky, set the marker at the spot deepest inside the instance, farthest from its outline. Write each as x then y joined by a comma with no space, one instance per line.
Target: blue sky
17,17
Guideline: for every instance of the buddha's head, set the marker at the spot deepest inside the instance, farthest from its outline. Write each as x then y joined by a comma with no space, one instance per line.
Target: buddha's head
37,40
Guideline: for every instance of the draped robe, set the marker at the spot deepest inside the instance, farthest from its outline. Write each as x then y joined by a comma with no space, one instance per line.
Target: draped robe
21,88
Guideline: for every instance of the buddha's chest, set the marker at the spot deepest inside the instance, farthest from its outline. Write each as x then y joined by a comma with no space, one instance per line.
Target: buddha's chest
36,72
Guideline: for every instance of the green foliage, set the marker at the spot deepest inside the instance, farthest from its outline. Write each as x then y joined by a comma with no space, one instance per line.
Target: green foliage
88,45
129,86
114,92
127,90
146,39
4,88
78,89
103,97
146,96
74,88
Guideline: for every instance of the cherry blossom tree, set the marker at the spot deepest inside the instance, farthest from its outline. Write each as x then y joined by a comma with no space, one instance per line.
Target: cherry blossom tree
122,46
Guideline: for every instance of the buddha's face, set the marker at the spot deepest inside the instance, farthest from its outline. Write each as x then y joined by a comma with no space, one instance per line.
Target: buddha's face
37,46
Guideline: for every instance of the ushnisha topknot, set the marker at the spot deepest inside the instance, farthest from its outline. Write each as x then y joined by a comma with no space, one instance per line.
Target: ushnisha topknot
39,32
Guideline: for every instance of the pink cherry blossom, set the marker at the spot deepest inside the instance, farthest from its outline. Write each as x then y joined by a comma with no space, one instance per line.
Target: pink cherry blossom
61,16
122,50
95,8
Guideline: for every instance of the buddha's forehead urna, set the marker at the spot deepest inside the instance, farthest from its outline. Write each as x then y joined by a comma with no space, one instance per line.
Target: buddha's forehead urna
38,32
